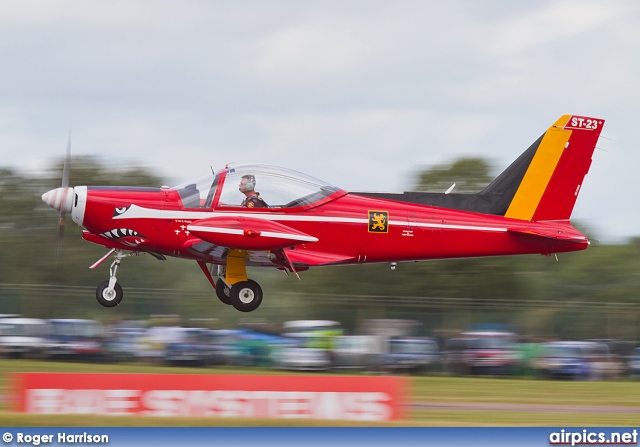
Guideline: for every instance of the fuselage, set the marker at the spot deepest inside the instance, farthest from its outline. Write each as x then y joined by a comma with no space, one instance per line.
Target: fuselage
156,220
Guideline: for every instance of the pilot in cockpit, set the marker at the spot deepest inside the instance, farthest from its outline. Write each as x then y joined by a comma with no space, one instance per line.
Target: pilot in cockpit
252,199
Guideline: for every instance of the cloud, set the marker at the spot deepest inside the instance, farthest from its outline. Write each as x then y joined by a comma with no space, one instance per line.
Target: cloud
553,23
97,12
314,50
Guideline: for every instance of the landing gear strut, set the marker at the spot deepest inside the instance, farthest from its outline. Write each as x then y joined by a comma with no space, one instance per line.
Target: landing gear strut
233,287
109,293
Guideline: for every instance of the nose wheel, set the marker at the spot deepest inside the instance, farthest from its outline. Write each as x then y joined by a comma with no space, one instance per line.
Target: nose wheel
109,296
109,293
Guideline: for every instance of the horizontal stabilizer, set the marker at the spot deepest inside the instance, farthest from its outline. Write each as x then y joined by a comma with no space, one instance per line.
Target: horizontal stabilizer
248,233
565,233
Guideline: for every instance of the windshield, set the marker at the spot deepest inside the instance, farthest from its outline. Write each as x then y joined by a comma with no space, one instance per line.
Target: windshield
198,193
277,187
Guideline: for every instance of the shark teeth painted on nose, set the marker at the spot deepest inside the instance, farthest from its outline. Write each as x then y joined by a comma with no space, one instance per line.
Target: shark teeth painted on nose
118,233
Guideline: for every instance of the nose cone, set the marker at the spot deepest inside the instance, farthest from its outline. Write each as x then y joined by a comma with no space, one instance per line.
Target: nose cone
60,199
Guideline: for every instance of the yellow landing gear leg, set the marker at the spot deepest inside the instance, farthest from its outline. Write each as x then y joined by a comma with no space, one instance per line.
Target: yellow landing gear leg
244,294
236,267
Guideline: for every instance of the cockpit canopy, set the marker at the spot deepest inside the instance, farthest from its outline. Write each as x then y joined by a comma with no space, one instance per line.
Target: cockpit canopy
278,187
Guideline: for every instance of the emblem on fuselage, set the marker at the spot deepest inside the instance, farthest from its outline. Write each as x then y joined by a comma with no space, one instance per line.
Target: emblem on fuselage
378,221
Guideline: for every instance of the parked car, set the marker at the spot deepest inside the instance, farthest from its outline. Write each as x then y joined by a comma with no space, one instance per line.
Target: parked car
606,365
124,344
359,352
22,337
634,363
491,352
577,360
154,341
192,346
526,355
412,355
75,339
298,355
454,356
563,360
318,334
620,351
244,347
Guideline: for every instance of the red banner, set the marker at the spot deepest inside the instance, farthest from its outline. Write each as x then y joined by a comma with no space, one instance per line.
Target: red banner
312,397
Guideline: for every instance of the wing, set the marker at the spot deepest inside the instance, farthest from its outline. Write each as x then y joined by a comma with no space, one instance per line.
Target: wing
260,236
248,233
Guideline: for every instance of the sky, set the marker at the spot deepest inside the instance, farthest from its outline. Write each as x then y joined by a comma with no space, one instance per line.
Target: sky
361,94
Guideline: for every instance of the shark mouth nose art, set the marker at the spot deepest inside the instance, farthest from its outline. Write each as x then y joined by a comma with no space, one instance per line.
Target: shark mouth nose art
119,233
125,236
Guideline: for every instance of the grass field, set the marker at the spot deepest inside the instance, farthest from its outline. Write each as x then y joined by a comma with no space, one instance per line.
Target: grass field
574,396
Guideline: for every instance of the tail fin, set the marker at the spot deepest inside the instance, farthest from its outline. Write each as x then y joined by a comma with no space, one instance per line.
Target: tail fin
542,184
552,179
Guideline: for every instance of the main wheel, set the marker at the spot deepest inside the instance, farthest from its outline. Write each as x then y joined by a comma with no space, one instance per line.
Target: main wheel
246,296
109,298
223,291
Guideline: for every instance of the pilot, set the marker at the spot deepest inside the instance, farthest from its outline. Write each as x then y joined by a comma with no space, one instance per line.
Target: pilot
252,199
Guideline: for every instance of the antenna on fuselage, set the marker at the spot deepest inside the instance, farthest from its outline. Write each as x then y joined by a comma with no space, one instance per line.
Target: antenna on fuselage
450,189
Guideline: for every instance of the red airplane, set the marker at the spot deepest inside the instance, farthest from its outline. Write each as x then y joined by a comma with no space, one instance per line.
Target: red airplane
297,221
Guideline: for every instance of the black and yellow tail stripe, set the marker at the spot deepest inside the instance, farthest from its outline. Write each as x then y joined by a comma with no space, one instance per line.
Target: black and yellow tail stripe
538,175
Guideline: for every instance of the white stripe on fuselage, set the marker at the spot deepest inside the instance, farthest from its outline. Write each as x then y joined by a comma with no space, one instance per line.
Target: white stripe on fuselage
137,212
272,234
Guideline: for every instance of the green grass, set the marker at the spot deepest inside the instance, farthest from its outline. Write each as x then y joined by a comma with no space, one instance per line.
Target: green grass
525,391
429,389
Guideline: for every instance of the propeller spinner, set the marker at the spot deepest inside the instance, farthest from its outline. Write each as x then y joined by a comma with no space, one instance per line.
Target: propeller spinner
60,199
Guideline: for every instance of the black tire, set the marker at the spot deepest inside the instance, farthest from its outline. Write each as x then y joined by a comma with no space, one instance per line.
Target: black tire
223,292
104,299
246,296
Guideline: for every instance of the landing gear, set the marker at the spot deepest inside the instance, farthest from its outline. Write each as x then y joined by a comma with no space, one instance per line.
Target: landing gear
233,287
109,293
223,291
109,297
246,296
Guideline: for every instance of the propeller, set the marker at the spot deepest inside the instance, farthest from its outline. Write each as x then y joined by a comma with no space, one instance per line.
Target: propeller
61,198
65,187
